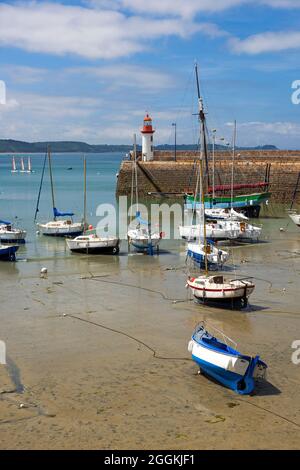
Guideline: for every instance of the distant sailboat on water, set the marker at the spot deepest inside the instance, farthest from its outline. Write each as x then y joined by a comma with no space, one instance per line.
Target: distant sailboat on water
22,166
14,166
29,168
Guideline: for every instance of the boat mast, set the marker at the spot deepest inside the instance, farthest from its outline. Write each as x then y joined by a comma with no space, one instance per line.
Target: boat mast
84,193
203,124
40,189
135,172
51,180
203,152
232,165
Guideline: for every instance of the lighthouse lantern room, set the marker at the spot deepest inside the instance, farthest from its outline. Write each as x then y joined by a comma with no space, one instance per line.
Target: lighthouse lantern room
147,139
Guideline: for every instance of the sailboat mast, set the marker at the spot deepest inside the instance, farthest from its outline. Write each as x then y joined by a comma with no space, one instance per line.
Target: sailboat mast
203,125
51,180
135,172
84,193
202,212
233,159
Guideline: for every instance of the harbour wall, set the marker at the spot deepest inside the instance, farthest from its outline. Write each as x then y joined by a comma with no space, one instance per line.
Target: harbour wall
164,175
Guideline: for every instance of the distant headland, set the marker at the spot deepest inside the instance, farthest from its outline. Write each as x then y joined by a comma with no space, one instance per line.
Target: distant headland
16,146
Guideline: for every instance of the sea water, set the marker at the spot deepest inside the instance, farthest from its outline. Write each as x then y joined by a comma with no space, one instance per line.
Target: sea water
19,193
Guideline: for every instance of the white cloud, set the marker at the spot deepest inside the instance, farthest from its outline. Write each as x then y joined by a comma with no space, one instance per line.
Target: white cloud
127,76
63,29
271,128
183,8
281,3
266,42
24,74
186,8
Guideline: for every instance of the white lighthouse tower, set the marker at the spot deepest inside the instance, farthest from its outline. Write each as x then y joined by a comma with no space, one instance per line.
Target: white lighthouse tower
147,139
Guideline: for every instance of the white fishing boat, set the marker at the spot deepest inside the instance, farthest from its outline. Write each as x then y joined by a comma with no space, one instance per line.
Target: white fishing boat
224,363
14,166
57,227
10,234
218,289
89,242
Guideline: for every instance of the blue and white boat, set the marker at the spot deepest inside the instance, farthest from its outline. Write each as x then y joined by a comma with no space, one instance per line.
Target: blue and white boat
208,253
8,253
224,364
10,234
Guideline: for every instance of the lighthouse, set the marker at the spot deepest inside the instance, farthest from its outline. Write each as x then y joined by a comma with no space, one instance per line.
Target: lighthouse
147,139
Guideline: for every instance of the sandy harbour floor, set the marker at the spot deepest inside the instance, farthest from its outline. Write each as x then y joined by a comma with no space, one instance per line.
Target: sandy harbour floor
75,380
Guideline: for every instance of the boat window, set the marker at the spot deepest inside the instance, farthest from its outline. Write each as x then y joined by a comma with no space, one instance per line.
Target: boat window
218,280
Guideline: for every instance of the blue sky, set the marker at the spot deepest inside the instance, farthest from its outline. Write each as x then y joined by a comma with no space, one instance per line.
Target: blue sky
88,70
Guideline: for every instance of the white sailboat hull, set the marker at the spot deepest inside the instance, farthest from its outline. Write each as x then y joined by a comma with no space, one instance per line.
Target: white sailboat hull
93,244
61,228
216,288
12,235
139,239
213,231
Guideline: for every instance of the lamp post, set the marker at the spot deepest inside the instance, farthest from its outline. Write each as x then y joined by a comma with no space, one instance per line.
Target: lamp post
175,137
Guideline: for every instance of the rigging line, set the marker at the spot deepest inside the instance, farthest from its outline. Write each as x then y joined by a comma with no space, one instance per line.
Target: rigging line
113,330
40,189
94,278
268,411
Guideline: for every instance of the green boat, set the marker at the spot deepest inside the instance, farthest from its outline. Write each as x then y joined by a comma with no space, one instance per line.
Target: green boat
249,204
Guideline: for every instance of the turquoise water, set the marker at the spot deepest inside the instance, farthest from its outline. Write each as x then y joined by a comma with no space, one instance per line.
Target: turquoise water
19,192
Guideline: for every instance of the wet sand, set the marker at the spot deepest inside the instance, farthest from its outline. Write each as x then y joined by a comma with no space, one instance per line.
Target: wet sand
89,387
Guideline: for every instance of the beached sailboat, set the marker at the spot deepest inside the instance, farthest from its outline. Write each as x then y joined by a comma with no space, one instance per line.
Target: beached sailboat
140,236
215,230
89,242
203,252
57,227
8,253
226,365
10,234
217,289
14,166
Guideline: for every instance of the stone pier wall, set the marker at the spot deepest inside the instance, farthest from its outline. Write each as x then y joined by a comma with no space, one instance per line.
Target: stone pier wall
167,176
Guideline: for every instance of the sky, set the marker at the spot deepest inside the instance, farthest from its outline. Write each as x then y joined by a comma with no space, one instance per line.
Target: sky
89,70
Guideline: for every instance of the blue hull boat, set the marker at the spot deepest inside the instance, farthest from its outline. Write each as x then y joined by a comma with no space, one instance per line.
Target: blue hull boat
8,253
224,364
